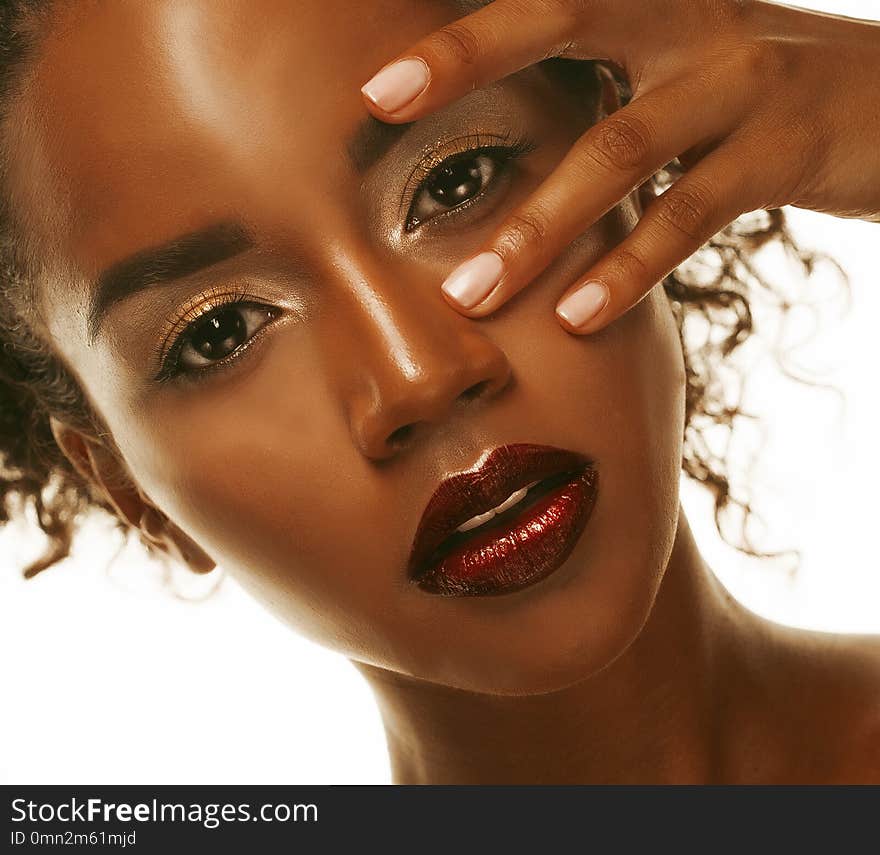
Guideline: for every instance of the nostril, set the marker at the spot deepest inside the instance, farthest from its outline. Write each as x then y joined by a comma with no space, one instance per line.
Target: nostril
404,433
474,391
400,435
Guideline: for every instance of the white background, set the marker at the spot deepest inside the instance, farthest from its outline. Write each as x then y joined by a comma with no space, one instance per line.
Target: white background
109,678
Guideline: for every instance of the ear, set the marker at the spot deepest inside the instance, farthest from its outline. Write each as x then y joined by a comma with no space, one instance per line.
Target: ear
609,94
102,468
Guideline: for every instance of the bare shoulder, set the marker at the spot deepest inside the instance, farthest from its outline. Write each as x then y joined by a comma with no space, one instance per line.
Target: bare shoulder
841,689
860,761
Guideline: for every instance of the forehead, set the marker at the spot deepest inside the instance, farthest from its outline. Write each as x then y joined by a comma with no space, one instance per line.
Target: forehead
138,108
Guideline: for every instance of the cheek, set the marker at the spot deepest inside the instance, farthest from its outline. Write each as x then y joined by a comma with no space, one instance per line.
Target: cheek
645,390
643,384
618,396
271,486
629,384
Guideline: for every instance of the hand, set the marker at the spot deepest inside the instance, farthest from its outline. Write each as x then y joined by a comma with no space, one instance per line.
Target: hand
764,105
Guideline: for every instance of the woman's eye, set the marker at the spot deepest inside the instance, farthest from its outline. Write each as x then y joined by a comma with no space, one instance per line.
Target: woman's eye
450,185
218,335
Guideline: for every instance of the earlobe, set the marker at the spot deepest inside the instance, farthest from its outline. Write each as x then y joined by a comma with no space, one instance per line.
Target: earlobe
100,467
73,446
162,533
609,94
644,196
187,551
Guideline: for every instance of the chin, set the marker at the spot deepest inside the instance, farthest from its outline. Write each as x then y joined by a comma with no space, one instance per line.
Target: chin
547,639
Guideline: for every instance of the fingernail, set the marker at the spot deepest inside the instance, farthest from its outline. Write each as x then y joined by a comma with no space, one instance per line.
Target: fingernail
584,304
394,87
472,281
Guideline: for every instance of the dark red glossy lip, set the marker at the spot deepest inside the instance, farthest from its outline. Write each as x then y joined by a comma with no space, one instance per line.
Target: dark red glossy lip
464,495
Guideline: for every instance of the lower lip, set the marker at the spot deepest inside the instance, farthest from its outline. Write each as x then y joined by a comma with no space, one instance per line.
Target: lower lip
514,553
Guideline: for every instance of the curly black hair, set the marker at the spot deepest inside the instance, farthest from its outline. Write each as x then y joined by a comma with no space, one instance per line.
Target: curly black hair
34,384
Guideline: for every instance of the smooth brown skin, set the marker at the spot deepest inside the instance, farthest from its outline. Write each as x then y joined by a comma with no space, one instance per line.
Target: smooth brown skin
767,105
144,121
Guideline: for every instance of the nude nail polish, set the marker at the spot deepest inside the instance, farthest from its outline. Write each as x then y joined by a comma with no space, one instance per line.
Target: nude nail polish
471,282
398,84
583,305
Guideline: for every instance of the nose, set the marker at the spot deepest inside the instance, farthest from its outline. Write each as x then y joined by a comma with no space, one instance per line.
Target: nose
413,362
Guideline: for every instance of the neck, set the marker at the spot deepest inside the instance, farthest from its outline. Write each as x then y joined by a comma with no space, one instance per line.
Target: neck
655,715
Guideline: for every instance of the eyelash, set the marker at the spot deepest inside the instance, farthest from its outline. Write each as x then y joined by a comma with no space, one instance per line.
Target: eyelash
504,149
501,146
189,320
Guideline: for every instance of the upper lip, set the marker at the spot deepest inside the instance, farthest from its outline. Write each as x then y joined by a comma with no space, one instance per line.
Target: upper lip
464,495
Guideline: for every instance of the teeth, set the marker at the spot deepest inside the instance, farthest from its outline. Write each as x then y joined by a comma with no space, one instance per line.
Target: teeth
473,522
509,502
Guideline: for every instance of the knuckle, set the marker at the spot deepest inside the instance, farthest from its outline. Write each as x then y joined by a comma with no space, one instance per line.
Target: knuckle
629,265
620,142
575,12
459,42
804,142
770,58
528,228
728,13
808,137
686,209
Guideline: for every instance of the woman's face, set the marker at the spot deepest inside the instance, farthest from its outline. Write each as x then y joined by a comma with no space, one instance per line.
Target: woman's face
146,122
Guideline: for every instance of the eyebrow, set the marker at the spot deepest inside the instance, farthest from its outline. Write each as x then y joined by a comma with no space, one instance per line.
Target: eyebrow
182,256
188,254
371,139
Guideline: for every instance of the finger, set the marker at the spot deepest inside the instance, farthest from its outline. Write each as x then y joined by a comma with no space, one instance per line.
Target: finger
675,225
499,39
607,163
